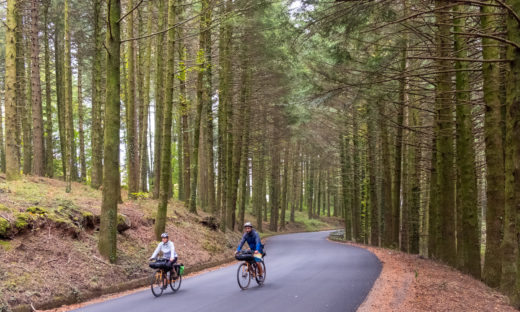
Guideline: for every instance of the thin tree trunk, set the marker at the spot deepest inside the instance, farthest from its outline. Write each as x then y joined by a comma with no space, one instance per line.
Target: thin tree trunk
97,129
145,109
37,111
374,202
69,127
159,93
82,158
131,112
12,156
49,155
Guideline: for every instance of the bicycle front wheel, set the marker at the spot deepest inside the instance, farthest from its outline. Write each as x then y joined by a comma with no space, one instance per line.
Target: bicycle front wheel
260,280
157,283
243,276
175,283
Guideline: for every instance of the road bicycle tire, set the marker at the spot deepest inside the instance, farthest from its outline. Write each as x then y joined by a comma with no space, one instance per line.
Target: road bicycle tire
157,283
175,284
243,276
260,281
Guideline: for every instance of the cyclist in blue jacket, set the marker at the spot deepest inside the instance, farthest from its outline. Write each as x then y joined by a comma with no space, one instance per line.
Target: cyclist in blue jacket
253,240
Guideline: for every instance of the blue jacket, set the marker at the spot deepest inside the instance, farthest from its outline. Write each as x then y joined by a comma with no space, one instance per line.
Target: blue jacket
252,239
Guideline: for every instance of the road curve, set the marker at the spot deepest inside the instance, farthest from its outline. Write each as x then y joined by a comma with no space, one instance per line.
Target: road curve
305,272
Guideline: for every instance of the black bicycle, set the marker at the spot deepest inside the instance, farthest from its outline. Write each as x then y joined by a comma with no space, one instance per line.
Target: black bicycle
248,269
165,274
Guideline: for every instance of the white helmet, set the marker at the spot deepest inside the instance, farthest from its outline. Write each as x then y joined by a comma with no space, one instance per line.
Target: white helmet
248,224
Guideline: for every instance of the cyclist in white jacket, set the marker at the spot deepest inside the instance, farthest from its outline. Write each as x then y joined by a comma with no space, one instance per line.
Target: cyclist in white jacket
167,248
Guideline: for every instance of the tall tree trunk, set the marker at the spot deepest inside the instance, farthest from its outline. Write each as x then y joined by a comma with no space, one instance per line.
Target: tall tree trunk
372,152
274,185
346,182
510,281
12,160
208,103
166,167
60,90
131,112
107,244
49,155
145,109
97,118
468,226
184,113
245,94
69,125
37,111
159,93
24,89
494,149
386,198
81,122
444,138
285,185
356,201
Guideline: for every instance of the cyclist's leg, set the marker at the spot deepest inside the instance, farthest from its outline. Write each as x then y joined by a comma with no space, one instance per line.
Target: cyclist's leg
260,268
173,268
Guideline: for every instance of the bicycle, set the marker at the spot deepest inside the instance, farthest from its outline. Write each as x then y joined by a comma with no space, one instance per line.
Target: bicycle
163,276
248,270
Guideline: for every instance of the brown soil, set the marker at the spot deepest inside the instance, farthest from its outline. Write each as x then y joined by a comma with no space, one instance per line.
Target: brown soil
410,283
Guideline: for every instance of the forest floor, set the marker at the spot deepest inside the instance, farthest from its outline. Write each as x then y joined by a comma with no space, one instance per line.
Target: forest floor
411,283
48,241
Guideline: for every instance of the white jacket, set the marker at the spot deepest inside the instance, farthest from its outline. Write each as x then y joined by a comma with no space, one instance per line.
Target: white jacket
167,249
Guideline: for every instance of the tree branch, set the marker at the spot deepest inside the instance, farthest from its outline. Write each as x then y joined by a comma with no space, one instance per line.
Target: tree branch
130,12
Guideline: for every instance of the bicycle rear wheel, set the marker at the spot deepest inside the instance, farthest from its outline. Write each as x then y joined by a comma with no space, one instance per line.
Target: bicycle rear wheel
157,283
260,281
175,284
243,276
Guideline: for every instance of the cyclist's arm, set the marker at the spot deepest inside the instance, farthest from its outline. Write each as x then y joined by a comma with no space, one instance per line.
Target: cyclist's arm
156,252
258,242
241,243
173,254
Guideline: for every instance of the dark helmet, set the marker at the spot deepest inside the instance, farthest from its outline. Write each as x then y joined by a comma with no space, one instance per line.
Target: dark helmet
164,235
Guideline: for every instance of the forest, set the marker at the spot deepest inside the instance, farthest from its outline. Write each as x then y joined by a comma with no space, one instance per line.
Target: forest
402,117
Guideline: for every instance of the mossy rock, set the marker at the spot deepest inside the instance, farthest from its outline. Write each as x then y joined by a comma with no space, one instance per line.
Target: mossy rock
22,221
123,223
5,226
37,210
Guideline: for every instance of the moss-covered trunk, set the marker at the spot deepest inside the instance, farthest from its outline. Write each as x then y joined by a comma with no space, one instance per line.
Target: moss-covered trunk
107,244
495,192
166,165
12,155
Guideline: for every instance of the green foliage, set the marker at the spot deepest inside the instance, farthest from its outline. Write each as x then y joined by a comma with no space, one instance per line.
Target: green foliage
22,220
140,195
4,227
37,210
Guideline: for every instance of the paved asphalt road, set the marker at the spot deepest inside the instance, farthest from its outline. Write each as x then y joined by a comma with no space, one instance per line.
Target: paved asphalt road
305,272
